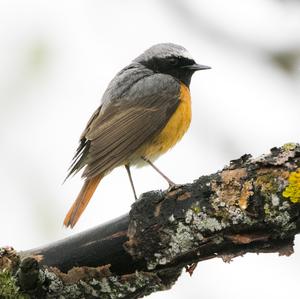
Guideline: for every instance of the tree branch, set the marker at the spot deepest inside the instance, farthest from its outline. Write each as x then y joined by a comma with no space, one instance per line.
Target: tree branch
252,205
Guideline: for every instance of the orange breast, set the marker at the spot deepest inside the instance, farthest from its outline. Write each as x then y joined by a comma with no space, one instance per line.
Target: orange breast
174,129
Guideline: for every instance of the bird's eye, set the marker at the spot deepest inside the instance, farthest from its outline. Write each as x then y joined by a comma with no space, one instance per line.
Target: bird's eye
173,61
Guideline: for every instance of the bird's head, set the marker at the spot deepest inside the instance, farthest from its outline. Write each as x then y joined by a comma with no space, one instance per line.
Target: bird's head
171,59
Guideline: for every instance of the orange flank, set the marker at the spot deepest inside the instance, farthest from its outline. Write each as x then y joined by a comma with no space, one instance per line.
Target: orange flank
174,129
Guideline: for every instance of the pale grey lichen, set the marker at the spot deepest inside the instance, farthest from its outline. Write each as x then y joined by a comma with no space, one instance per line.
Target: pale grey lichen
199,236
182,240
202,222
71,292
104,284
163,261
185,235
160,259
55,284
189,216
89,289
275,200
284,206
230,213
238,216
279,215
112,287
42,276
152,264
171,218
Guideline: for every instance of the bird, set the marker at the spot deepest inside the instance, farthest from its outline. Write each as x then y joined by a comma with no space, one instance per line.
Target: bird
145,110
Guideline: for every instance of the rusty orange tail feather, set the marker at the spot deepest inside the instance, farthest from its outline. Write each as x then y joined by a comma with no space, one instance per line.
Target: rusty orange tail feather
82,200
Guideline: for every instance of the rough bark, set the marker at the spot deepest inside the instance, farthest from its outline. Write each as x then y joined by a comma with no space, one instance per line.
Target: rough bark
252,205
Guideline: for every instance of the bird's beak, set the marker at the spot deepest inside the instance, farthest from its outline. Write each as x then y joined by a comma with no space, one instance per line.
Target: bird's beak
196,67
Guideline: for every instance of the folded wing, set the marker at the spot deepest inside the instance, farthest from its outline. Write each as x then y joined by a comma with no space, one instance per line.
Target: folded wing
113,134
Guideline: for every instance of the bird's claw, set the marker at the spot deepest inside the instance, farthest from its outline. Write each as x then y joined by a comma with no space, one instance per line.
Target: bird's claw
173,187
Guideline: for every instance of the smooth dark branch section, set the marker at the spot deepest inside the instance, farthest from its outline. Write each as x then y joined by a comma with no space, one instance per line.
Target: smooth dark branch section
101,245
252,205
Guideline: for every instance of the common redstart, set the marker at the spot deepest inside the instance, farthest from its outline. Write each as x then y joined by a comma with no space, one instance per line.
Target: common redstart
145,110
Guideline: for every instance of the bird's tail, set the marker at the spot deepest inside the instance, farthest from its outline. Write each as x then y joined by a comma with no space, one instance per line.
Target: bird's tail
82,200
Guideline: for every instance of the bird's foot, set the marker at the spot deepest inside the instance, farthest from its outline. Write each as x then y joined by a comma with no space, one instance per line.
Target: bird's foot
174,186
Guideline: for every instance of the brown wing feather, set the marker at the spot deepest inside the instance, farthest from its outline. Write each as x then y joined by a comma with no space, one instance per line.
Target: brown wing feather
83,148
111,150
116,143
115,132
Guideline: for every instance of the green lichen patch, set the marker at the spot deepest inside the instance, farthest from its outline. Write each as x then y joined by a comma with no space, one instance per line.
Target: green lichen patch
292,191
196,208
279,215
8,286
270,181
289,146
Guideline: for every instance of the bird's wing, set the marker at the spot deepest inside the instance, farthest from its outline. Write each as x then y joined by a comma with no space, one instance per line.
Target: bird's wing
115,133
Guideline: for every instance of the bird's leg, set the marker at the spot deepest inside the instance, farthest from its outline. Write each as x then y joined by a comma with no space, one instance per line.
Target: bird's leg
131,181
172,185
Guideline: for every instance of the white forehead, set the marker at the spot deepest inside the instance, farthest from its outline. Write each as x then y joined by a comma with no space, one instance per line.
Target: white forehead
165,50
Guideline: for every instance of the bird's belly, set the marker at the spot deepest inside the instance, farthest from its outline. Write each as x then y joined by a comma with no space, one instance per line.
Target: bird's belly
172,132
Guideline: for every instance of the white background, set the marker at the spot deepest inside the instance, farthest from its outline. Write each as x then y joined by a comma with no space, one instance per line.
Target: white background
56,60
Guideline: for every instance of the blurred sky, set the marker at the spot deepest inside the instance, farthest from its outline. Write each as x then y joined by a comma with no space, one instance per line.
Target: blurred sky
57,58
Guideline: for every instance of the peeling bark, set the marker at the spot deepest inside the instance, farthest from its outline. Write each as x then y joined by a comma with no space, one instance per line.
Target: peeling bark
252,205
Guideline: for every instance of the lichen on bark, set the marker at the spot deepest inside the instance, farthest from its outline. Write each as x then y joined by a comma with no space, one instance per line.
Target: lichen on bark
241,203
250,206
79,282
